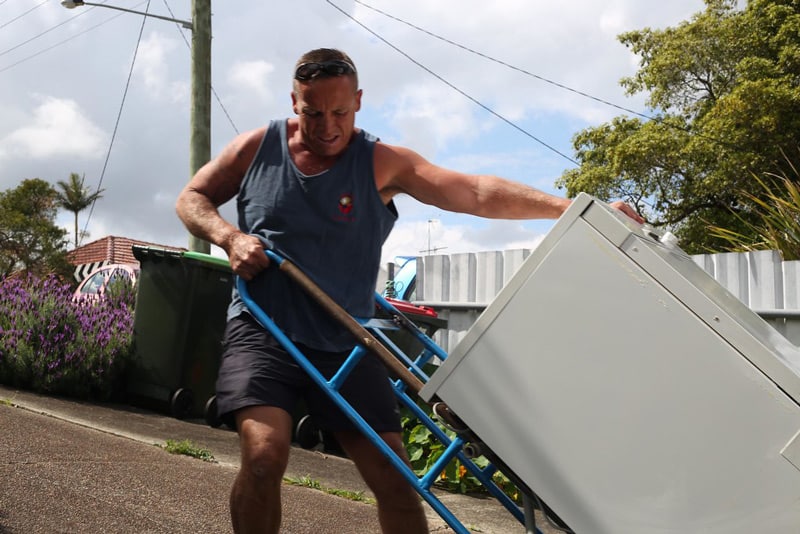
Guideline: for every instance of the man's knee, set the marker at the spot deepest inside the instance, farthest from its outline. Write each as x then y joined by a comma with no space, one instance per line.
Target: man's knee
265,439
265,465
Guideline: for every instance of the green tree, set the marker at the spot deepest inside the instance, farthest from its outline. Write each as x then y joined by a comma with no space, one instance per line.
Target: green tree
74,197
29,238
724,92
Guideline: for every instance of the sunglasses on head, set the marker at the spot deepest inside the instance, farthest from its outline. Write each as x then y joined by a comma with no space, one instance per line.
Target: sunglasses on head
336,67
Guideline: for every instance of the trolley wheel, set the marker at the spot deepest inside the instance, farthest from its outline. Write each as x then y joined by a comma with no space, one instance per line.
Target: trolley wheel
181,402
210,412
307,433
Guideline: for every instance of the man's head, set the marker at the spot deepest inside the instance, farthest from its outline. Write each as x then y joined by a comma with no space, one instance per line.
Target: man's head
323,63
325,98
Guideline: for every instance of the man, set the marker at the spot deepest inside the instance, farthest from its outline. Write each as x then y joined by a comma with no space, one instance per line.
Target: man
319,191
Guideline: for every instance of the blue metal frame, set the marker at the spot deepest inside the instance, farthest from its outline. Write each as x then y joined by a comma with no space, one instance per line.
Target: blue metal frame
453,447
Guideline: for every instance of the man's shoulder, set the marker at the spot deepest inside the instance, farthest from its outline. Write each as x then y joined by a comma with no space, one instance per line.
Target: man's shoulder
255,133
366,135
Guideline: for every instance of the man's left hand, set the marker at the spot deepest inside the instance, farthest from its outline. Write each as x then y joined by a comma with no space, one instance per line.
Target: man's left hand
627,210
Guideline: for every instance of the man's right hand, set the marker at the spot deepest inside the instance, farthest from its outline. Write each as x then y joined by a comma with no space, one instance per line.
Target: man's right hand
246,255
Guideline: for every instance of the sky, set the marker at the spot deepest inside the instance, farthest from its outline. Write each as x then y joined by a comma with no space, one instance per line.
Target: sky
465,83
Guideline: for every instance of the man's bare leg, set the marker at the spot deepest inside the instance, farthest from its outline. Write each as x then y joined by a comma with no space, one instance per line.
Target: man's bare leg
265,437
400,509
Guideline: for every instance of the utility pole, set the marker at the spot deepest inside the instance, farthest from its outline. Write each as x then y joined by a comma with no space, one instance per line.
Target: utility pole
200,126
200,122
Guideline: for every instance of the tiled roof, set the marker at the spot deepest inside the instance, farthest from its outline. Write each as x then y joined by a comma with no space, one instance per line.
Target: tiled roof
112,249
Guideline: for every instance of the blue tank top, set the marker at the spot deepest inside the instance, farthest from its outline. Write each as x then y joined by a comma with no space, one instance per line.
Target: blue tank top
331,225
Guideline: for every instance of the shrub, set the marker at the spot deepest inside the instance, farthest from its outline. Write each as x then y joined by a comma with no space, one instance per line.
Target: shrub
771,216
424,449
50,344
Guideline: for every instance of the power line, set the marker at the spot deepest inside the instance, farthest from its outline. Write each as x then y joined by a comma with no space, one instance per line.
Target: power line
40,52
214,91
58,44
503,63
116,124
657,120
122,104
4,52
23,14
83,12
452,86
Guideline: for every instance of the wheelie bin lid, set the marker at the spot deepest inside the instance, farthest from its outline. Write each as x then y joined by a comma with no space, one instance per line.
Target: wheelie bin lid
143,253
207,258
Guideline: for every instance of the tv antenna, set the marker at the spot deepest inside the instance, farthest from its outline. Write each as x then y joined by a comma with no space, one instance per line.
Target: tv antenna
431,249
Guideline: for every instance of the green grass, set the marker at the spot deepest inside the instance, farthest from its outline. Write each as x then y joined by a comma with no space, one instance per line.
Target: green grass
308,482
187,448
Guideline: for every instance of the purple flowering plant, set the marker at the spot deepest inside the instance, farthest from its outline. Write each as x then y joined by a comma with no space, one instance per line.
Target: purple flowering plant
52,344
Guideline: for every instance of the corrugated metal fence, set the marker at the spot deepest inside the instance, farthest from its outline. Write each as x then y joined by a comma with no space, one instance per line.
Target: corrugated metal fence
460,286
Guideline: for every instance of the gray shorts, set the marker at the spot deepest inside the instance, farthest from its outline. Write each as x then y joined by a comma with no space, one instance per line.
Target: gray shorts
257,371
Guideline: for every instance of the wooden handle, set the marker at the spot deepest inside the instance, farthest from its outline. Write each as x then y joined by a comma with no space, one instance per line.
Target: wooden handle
346,320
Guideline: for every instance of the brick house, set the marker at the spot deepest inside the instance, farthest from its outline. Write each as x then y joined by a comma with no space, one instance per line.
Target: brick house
109,249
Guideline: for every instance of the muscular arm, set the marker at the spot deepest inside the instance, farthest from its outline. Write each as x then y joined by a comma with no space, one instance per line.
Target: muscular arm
400,170
214,184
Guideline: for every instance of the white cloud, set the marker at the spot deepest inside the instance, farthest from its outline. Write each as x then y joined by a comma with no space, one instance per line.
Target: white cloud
573,43
252,76
429,117
56,127
152,65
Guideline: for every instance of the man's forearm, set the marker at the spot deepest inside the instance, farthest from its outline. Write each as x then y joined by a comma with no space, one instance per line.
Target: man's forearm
202,219
499,198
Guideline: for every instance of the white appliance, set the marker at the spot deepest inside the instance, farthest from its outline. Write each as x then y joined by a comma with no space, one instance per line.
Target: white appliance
629,390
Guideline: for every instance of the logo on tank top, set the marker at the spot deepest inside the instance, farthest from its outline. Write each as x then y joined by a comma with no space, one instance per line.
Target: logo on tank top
345,208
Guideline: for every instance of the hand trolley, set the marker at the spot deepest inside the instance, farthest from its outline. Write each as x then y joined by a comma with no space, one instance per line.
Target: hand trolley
408,379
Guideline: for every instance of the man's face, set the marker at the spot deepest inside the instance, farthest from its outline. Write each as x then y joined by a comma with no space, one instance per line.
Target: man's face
326,108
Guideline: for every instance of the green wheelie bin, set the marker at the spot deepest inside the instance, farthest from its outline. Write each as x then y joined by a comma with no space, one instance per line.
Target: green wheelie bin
178,325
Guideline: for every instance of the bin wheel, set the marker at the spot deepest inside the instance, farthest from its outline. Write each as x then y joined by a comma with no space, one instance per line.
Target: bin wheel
211,415
180,405
307,433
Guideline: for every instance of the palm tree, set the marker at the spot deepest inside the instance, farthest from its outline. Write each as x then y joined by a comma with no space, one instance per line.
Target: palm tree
76,198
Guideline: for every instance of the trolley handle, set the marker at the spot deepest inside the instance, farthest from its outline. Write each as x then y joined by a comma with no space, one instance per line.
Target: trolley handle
362,335
338,313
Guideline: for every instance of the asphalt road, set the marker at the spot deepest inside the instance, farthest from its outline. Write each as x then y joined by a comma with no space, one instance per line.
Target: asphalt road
72,467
